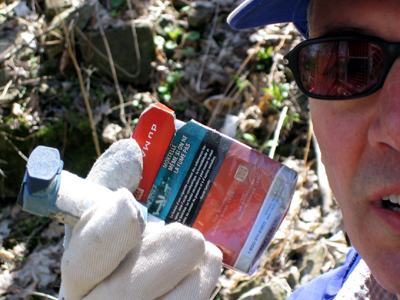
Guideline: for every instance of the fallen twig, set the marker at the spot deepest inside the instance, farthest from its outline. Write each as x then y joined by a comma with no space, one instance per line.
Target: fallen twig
2,133
82,86
231,83
34,293
6,87
326,192
21,139
114,74
136,42
180,86
204,58
42,295
275,61
277,132
306,152
103,56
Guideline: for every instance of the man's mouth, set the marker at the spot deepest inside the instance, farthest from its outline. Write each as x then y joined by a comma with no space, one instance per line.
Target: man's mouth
392,202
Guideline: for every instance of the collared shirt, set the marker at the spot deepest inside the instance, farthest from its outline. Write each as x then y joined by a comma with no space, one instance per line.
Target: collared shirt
351,281
362,285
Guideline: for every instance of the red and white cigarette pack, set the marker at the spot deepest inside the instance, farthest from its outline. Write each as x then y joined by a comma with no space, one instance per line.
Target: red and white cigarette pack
154,132
235,196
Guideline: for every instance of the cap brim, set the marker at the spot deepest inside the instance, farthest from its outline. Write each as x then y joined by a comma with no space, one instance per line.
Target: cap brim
256,13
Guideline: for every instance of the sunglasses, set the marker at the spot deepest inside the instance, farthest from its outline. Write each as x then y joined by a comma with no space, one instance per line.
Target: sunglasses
342,68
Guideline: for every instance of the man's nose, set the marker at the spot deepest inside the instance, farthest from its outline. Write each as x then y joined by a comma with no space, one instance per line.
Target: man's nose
385,127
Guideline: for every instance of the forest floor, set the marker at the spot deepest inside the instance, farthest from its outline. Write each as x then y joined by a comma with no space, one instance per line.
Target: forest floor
59,88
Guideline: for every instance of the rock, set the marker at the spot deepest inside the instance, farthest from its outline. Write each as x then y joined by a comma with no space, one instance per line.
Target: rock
178,4
22,10
8,41
337,246
110,133
316,259
9,97
312,214
56,6
331,224
80,16
243,288
5,76
276,289
200,13
27,38
17,110
294,277
122,46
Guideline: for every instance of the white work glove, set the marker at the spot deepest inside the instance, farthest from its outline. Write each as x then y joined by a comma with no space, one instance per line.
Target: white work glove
109,256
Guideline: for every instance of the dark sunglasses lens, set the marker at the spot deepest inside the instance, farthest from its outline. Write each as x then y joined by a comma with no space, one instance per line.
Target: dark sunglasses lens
340,68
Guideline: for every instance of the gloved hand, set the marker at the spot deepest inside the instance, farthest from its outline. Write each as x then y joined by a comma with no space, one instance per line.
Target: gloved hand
112,254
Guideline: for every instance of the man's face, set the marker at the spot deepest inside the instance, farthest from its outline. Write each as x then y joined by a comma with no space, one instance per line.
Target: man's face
360,139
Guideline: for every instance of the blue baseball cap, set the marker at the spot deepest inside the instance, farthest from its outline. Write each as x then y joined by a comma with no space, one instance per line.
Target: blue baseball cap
255,13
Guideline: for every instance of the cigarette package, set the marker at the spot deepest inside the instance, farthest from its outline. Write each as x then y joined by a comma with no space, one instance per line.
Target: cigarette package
235,196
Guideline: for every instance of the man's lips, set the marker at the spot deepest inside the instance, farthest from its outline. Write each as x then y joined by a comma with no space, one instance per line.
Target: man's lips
388,211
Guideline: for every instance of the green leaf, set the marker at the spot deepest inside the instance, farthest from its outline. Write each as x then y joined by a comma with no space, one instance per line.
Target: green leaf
264,54
171,45
185,8
173,77
260,67
117,3
268,144
242,82
249,137
135,121
43,220
192,35
187,51
159,41
162,89
114,13
166,97
173,31
135,103
181,107
285,87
